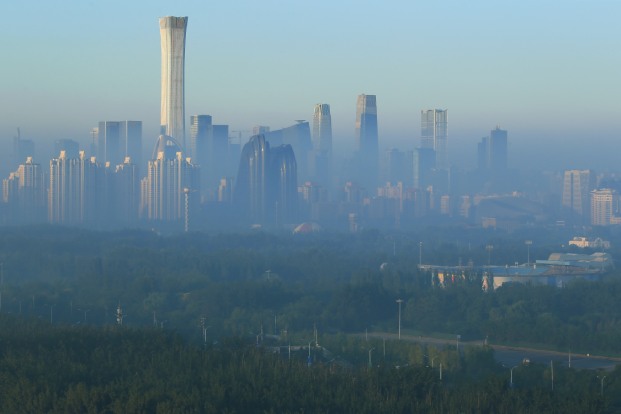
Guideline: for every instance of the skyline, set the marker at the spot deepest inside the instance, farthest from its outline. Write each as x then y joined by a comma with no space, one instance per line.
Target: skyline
541,71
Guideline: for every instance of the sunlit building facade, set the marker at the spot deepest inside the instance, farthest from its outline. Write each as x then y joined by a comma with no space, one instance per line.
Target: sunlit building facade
169,176
172,36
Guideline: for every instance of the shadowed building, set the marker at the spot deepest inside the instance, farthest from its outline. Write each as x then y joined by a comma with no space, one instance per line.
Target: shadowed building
577,187
266,187
367,145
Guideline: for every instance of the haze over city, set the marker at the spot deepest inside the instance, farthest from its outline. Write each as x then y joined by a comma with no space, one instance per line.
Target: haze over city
544,71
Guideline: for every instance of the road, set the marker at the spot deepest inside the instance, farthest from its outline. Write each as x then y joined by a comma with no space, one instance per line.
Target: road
511,356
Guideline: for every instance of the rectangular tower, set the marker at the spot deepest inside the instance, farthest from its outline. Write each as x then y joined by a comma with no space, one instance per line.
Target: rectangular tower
367,143
172,36
434,134
577,187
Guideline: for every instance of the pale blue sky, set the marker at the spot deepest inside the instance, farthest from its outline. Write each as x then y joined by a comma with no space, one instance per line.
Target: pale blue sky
548,71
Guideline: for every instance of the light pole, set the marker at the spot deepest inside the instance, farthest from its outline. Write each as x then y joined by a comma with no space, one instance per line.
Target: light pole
399,301
511,381
528,244
420,254
601,386
457,342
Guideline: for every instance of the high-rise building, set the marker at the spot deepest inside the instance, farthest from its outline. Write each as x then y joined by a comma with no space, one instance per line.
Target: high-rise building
108,142
321,162
604,203
434,134
200,131
577,187
492,152
299,137
172,36
71,147
117,140
367,141
22,148
266,187
124,197
322,129
424,162
24,194
130,134
168,177
74,190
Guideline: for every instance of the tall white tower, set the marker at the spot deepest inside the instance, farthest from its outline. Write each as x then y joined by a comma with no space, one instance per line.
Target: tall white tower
172,36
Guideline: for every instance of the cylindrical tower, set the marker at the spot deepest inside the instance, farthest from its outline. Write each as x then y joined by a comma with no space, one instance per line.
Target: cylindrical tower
172,35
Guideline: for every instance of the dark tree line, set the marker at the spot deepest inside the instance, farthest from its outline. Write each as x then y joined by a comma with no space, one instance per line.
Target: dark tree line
69,369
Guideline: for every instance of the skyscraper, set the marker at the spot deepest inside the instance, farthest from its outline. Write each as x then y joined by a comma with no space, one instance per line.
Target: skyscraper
74,190
367,139
492,151
200,131
434,134
498,150
266,188
577,187
321,161
117,140
168,176
322,129
603,207
172,36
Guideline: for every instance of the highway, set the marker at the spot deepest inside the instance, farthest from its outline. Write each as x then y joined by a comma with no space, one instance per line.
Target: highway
511,356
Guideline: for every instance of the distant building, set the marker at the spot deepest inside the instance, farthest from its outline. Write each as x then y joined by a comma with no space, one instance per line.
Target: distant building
71,147
298,136
74,190
583,242
116,140
577,187
24,194
604,205
22,148
367,140
266,187
172,39
424,164
321,163
434,134
169,174
492,154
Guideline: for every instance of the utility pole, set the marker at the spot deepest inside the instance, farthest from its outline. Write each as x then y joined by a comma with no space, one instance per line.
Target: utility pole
399,301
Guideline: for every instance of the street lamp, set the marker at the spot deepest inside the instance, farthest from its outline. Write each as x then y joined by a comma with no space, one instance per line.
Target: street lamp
528,244
601,389
399,301
511,381
420,254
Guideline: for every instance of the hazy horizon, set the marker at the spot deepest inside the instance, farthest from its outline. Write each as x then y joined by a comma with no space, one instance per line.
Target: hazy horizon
544,72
